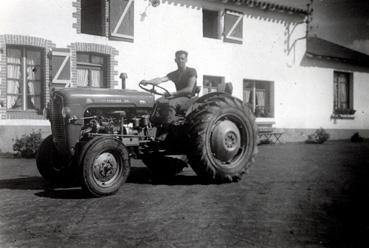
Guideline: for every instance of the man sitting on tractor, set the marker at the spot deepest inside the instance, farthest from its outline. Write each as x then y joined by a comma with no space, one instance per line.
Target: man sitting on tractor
184,79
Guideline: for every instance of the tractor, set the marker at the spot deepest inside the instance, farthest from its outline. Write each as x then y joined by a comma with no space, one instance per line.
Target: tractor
96,131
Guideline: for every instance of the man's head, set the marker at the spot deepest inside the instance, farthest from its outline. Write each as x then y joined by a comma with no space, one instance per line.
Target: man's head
181,59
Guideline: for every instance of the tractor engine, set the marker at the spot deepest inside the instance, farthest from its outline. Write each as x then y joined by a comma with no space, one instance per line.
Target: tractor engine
116,121
80,114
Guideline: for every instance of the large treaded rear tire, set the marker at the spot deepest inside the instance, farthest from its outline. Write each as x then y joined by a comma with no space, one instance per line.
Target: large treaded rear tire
222,138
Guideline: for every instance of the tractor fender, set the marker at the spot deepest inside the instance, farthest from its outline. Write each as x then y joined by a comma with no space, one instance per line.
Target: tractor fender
205,98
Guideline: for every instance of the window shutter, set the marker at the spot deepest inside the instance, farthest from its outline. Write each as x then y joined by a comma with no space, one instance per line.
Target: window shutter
233,26
61,66
122,19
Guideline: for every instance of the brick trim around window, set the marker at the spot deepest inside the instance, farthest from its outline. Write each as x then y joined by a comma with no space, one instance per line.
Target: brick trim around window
77,15
2,77
109,51
22,40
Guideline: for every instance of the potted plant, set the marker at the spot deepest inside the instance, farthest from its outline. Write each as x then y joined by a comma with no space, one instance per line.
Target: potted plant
318,137
343,113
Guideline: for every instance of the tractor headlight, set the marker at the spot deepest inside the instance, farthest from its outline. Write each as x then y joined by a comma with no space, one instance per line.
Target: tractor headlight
65,112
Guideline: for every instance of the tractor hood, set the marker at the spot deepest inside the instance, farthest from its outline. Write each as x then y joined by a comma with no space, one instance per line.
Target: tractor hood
102,96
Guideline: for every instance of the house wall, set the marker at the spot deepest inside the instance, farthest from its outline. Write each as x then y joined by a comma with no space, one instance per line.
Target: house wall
272,50
308,101
171,26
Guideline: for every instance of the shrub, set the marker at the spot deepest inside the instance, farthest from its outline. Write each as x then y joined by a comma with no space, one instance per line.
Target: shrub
28,144
318,137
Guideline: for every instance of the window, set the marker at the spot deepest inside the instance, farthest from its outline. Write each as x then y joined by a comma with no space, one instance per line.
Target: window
113,18
260,97
24,81
92,16
211,83
230,24
211,24
91,70
343,91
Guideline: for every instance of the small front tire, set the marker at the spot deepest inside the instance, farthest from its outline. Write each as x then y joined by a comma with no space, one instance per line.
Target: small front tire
105,167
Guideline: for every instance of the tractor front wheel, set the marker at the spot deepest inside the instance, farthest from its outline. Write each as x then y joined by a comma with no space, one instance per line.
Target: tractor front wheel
105,166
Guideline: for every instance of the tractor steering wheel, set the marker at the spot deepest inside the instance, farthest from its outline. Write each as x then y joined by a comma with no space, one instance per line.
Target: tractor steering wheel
154,89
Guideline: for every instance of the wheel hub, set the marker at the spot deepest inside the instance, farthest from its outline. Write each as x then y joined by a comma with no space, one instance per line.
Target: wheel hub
230,140
225,141
105,168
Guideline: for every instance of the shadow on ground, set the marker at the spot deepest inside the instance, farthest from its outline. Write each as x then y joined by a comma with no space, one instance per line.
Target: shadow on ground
347,206
142,175
66,193
23,183
138,175
351,210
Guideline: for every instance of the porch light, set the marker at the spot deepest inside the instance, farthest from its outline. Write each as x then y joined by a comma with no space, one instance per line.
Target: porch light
66,111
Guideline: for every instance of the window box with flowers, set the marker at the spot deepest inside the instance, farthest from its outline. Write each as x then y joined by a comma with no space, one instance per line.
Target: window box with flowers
343,114
343,96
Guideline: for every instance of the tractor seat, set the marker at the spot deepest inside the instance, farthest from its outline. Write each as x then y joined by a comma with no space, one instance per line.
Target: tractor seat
225,88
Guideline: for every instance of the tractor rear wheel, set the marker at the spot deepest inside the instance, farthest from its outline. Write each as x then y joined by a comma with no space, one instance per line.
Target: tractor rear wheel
162,166
52,166
222,139
105,166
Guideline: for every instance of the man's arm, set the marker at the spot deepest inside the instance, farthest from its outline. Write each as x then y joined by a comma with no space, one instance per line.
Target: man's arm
156,81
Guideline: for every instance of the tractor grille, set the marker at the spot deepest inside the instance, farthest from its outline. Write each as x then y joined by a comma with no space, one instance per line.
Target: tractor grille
57,121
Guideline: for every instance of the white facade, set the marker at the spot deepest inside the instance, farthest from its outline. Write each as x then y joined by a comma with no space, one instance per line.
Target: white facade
272,50
310,101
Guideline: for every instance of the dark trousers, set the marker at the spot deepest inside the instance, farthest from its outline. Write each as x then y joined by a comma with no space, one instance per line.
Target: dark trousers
167,108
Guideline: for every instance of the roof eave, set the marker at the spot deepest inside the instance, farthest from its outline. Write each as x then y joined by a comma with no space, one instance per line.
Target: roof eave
336,59
267,6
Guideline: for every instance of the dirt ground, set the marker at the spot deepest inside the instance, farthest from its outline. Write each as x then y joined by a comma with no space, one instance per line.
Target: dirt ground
296,195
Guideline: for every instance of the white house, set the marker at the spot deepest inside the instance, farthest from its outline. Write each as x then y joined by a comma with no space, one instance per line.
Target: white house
259,46
331,90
